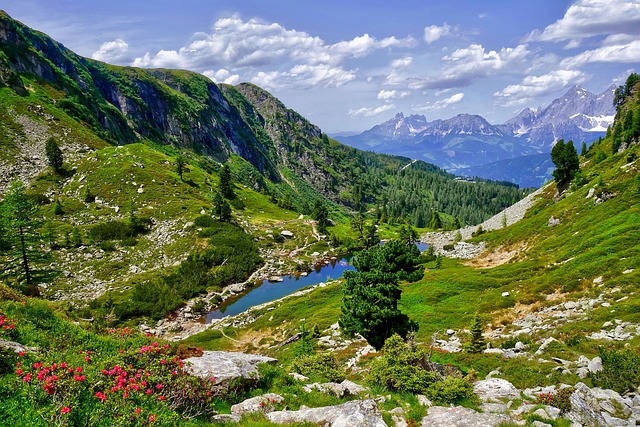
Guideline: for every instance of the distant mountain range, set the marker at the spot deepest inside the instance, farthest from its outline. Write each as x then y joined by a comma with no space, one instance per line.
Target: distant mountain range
515,151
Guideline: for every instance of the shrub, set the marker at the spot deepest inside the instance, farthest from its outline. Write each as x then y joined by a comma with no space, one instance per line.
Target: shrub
318,367
451,391
559,400
107,246
620,370
204,221
449,247
119,230
401,367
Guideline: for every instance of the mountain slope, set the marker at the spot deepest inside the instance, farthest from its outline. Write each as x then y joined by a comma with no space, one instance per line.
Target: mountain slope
52,92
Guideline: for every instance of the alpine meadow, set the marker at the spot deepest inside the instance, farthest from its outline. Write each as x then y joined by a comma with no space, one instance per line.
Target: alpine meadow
139,205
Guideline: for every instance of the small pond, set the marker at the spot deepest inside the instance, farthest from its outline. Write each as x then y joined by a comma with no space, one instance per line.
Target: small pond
269,291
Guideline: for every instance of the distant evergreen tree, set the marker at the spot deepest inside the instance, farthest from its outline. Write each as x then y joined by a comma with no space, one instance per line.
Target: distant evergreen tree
321,215
565,157
221,208
436,222
584,149
180,166
477,343
226,182
54,155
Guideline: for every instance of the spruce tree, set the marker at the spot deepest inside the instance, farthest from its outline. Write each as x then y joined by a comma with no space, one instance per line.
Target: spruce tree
477,343
565,157
226,182
54,155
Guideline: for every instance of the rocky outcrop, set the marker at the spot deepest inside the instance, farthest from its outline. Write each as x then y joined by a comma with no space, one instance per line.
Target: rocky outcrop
361,413
262,403
343,389
226,366
495,390
460,416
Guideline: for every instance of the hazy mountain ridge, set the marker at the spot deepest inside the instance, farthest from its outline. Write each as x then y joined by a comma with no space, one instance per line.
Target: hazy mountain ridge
467,142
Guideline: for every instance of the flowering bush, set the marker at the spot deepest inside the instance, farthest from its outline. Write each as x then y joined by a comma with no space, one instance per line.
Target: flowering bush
559,400
122,378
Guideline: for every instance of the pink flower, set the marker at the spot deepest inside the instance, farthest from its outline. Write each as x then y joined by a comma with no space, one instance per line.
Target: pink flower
22,353
100,395
161,398
152,418
149,391
158,386
87,359
18,371
65,410
138,410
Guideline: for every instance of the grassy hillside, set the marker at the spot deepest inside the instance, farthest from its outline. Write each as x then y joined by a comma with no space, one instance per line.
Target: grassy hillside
531,268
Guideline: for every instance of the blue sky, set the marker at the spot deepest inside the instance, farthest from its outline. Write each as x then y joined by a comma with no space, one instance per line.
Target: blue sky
348,65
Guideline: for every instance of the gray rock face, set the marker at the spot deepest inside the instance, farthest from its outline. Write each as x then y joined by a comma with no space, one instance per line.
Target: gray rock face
459,416
361,413
494,389
226,366
585,409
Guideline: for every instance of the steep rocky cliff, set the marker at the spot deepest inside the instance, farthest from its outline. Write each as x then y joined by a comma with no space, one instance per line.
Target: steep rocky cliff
124,104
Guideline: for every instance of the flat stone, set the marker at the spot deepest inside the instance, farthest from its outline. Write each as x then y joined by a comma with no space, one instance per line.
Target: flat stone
262,403
494,389
460,416
226,366
361,413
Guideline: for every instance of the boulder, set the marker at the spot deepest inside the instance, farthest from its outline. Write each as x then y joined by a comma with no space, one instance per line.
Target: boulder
17,347
345,388
262,403
226,366
585,409
494,389
286,233
361,413
460,416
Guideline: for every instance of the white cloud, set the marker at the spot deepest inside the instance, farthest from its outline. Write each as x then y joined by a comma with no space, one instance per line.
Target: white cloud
388,95
441,104
464,66
587,18
402,62
534,86
621,53
433,33
222,76
262,52
371,112
116,51
321,75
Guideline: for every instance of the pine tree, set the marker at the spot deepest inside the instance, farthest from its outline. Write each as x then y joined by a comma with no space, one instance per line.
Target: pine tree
54,155
477,343
565,157
22,238
226,182
371,293
180,166
321,215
